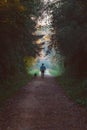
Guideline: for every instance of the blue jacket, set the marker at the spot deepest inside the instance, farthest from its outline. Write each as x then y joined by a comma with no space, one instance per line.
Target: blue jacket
42,68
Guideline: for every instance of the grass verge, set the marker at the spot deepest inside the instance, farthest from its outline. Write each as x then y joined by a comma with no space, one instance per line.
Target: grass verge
10,86
53,72
33,71
76,89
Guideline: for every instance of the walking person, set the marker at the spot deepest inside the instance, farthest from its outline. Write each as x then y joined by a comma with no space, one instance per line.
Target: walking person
42,69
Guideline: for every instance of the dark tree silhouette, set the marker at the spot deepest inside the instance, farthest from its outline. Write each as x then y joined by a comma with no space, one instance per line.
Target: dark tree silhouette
70,24
16,39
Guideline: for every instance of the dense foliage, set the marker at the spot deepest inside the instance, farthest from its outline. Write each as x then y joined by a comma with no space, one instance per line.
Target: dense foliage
16,39
70,25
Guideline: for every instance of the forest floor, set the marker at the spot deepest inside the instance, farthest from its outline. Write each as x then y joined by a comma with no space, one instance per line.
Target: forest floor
42,105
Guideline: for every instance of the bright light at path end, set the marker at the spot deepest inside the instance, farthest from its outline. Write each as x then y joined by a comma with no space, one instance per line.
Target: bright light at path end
47,73
45,1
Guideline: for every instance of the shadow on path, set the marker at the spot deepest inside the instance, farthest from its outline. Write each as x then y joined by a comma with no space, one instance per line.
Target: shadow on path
42,105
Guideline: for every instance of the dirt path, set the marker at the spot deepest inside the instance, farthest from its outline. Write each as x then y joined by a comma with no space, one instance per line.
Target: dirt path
42,105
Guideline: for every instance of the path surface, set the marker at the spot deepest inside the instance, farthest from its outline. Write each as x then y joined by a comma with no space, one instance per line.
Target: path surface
42,105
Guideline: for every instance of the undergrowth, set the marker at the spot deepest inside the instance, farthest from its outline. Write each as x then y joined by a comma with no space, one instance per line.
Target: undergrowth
76,89
11,85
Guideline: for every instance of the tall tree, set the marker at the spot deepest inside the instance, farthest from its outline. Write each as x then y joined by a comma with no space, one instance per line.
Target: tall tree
16,28
70,23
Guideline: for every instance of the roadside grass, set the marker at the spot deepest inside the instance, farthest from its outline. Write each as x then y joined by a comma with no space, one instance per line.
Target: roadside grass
53,72
76,89
33,71
10,86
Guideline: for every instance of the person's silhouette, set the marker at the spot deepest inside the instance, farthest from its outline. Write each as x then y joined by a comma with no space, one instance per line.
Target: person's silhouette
42,69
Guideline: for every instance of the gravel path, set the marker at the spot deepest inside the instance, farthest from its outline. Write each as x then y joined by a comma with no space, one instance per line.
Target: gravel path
42,105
